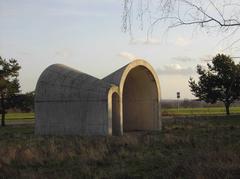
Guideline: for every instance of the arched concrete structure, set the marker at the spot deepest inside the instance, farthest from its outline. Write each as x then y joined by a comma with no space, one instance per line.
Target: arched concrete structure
134,115
69,102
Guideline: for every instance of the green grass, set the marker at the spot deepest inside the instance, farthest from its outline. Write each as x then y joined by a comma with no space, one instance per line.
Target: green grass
20,116
190,149
198,111
165,112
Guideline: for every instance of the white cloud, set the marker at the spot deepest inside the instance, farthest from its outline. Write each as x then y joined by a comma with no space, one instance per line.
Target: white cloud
174,69
182,42
78,8
74,12
63,53
127,55
206,58
183,59
151,41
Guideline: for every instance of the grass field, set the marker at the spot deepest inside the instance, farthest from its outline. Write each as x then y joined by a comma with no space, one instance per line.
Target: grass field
193,149
165,112
198,111
20,116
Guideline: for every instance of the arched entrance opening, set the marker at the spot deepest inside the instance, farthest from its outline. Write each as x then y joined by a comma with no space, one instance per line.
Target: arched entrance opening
140,100
116,122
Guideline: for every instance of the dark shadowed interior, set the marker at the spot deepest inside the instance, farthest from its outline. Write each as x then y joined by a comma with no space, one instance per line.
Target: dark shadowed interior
140,100
116,123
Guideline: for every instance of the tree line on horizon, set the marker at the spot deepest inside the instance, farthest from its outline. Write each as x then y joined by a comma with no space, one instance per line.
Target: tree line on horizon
193,103
218,82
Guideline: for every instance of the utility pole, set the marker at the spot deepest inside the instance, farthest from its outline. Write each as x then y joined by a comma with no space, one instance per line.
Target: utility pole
178,97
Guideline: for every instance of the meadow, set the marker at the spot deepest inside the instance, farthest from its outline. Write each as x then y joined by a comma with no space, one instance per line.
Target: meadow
183,149
210,111
20,116
205,111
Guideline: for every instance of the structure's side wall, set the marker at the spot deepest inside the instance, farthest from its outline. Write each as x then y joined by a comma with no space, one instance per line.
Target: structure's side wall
115,78
69,102
57,118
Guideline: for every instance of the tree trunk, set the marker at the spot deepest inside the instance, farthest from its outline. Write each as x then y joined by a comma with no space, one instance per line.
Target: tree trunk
3,110
227,106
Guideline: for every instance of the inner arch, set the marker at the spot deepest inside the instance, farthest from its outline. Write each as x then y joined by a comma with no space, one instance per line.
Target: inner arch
116,122
140,100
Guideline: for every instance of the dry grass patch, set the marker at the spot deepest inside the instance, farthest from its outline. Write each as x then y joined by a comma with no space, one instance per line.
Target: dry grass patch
190,149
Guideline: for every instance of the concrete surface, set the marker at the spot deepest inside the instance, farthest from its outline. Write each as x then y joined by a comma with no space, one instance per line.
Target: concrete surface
69,102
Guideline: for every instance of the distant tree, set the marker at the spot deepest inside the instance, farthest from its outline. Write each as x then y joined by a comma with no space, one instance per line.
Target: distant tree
24,102
219,82
9,83
186,103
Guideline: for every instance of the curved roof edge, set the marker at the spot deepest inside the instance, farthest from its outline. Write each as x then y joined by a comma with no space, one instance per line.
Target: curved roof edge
115,77
59,77
118,77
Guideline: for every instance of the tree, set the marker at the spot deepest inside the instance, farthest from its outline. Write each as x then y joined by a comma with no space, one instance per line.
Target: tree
24,102
219,82
9,83
211,15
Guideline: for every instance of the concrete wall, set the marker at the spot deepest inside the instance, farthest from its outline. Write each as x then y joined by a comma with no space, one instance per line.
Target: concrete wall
69,102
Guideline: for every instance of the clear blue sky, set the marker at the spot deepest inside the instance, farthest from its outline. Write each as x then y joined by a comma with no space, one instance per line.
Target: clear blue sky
86,35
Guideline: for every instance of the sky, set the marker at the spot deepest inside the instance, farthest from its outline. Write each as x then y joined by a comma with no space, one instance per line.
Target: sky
87,35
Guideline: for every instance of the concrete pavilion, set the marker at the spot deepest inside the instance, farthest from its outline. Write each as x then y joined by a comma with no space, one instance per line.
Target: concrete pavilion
70,102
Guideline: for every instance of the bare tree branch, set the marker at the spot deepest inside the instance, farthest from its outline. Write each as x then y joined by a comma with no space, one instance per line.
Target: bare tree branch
213,15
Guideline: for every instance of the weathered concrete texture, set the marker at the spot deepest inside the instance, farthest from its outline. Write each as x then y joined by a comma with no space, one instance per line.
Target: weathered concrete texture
69,102
139,91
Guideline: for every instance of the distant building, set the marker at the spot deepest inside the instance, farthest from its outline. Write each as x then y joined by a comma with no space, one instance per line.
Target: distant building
69,102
